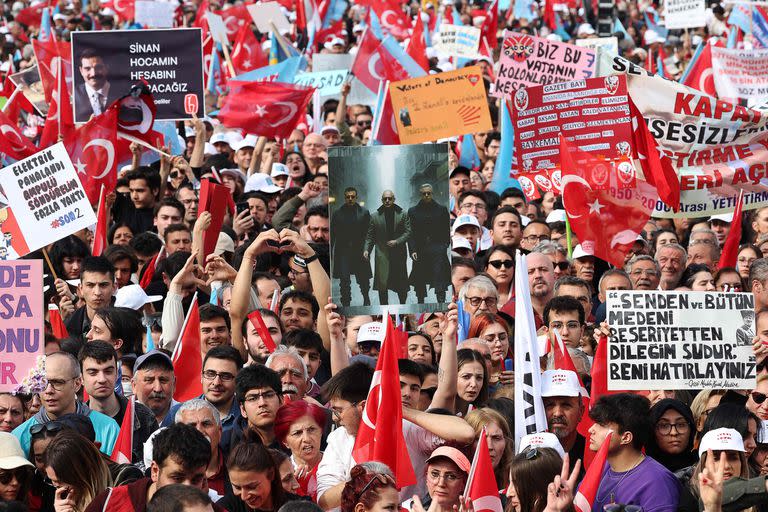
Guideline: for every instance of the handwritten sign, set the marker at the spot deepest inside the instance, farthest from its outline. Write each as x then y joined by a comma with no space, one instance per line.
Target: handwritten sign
684,14
46,198
326,82
680,340
740,73
529,60
442,105
592,114
22,334
457,40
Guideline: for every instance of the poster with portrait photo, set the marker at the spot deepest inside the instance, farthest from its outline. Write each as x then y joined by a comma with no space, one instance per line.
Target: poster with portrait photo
32,88
390,228
107,63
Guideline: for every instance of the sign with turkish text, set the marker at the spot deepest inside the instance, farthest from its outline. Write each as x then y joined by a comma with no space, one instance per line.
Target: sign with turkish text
684,14
606,44
46,202
740,73
22,331
529,60
680,340
457,40
442,105
326,82
592,114
108,63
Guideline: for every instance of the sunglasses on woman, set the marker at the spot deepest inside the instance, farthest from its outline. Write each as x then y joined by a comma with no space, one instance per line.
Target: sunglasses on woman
6,475
381,478
497,264
758,397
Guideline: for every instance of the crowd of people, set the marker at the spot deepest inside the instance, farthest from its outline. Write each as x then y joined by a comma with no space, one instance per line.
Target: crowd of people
274,429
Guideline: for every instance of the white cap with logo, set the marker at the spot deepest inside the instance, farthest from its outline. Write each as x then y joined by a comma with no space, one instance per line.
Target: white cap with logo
722,439
560,383
541,440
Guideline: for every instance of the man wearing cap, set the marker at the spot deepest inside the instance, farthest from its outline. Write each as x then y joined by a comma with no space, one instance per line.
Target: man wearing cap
62,373
428,246
134,297
331,135
350,227
279,174
244,154
721,225
369,339
221,142
388,231
154,382
467,227
583,262
561,394
543,440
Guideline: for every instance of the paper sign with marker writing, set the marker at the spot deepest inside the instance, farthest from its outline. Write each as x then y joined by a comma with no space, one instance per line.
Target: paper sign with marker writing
326,82
46,199
442,105
22,333
680,340
267,14
684,14
457,40
529,60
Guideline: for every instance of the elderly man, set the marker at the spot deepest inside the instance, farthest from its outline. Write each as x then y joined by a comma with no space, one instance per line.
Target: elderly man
205,418
583,263
644,272
758,281
671,258
479,295
388,231
290,366
561,394
154,382
62,372
704,253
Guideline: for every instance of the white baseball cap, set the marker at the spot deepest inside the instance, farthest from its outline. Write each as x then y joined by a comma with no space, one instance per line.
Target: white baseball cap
237,173
133,296
260,182
541,440
219,137
555,216
465,220
582,250
560,383
279,169
372,331
722,439
585,29
249,141
459,242
723,217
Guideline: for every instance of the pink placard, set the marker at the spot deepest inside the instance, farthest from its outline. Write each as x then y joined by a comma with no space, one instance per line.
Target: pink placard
529,60
22,334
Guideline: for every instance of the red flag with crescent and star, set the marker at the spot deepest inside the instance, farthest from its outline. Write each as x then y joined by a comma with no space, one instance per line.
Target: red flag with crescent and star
12,142
247,53
392,18
607,205
269,109
367,66
94,152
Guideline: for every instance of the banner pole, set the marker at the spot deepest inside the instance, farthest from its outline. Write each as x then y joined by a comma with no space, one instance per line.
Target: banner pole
50,265
568,237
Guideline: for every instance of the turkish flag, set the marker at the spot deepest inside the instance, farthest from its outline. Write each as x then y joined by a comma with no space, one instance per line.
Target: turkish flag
247,54
380,436
607,219
234,18
563,361
187,359
335,30
12,142
417,46
100,236
270,109
60,119
731,245
385,127
93,150
136,115
125,9
481,485
393,70
392,18
58,328
148,272
490,27
588,488
367,66
123,450
30,16
48,55
699,75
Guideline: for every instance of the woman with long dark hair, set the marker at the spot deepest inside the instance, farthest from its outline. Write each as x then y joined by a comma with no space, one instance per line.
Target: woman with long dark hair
77,484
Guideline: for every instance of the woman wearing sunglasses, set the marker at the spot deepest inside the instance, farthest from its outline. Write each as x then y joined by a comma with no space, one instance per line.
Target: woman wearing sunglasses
756,402
494,330
500,265
368,490
15,471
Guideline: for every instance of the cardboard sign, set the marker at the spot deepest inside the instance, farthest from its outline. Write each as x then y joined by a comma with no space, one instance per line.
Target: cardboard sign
593,114
740,73
22,333
609,45
326,82
457,40
442,105
155,14
684,14
268,16
529,60
169,60
47,202
217,28
359,94
680,340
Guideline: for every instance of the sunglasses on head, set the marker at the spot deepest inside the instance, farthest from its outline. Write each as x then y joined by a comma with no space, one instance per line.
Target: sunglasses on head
51,426
497,264
758,397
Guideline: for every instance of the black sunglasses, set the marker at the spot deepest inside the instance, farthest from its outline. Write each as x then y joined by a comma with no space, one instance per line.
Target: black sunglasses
758,397
563,265
51,426
6,475
497,264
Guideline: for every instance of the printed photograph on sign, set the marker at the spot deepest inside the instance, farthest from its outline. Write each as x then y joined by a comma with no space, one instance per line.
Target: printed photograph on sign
390,228
680,340
31,88
106,64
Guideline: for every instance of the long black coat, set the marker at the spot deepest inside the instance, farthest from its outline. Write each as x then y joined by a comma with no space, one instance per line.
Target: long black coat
430,238
391,271
350,227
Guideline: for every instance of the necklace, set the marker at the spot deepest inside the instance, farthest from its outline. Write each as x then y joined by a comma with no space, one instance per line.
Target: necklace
612,491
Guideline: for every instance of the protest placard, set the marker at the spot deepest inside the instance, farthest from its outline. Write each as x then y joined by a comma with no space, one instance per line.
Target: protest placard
442,105
591,113
684,14
529,60
22,333
170,60
680,340
457,40
217,27
46,199
606,44
740,73
366,271
717,148
155,14
326,82
32,87
359,94
267,15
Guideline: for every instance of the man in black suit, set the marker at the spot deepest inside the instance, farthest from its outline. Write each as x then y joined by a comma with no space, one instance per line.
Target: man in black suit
96,94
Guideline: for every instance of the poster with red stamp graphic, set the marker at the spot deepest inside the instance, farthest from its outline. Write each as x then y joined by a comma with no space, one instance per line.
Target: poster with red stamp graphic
442,105
592,114
529,60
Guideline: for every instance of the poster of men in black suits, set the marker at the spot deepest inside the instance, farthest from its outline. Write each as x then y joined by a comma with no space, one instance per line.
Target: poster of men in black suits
107,63
390,228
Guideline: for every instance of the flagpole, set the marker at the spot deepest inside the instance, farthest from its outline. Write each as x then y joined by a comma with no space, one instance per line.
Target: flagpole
10,100
98,208
58,100
568,236
177,348
142,143
50,265
225,48
471,475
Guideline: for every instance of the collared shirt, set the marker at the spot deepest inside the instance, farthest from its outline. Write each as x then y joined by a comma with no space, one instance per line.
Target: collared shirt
98,98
